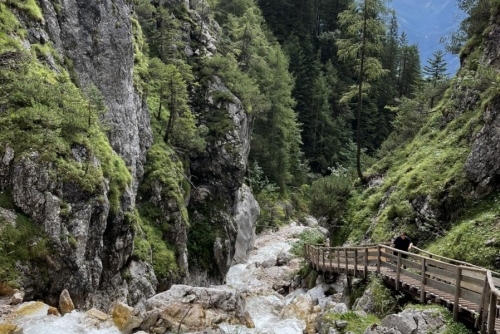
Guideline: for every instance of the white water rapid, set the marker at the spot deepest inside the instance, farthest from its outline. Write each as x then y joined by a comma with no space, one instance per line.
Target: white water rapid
271,312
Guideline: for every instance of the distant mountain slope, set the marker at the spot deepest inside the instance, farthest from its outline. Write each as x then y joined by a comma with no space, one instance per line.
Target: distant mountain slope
425,22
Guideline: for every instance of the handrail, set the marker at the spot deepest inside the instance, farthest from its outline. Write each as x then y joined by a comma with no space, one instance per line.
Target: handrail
448,276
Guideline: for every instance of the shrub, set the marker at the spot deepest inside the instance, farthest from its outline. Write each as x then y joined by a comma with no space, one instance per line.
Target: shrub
308,236
329,194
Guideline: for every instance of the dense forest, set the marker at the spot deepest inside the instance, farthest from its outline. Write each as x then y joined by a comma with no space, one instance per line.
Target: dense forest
127,138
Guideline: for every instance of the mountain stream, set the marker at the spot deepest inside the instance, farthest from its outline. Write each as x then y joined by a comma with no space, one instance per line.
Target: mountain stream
257,279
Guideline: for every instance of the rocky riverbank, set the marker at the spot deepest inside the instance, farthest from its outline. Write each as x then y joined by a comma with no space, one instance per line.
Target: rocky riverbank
264,295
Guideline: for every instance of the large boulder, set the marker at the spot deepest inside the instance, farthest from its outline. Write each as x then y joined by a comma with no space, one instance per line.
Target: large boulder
194,309
411,321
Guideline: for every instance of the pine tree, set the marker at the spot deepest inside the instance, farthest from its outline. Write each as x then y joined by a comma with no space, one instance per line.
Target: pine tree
365,30
435,70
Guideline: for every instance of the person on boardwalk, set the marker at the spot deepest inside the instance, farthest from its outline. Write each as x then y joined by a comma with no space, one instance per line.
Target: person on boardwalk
403,243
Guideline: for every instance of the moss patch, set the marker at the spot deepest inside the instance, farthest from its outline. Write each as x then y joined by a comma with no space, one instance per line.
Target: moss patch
475,238
355,323
23,242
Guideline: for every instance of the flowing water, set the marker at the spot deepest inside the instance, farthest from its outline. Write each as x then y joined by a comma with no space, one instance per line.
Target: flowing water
271,312
256,280
33,319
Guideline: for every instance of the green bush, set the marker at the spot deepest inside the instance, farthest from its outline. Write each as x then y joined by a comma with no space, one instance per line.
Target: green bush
308,236
383,301
329,194
356,323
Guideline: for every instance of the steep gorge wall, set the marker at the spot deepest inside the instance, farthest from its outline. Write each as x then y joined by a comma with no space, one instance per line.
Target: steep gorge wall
92,239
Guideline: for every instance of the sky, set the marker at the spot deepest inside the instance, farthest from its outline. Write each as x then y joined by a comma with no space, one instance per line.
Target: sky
425,22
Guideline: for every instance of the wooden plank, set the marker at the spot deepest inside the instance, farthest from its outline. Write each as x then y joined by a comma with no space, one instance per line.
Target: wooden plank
338,261
443,275
390,257
470,296
447,288
365,273
411,264
422,281
457,293
378,258
355,263
441,265
492,314
408,273
398,272
496,281
473,280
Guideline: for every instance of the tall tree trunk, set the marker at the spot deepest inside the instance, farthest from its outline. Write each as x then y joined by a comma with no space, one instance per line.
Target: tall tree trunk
360,98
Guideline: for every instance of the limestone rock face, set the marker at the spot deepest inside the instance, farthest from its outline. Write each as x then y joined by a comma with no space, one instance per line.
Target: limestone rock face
91,244
97,37
483,163
218,173
246,213
194,309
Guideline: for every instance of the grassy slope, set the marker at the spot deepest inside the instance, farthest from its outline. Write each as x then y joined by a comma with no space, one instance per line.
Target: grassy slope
431,166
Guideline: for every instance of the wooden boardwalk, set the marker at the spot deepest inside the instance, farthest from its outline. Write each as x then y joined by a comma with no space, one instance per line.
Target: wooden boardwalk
470,291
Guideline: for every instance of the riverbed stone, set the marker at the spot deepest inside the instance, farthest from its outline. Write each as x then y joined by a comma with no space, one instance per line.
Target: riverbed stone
124,318
65,303
196,308
10,329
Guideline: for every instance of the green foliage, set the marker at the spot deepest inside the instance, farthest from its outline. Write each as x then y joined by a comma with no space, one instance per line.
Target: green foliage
29,7
150,247
165,168
411,115
383,301
168,91
272,210
308,236
45,112
330,193
23,242
355,323
474,238
364,30
430,165
6,200
203,233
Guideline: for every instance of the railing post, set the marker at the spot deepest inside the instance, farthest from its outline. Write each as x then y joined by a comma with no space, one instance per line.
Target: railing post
346,262
338,260
355,262
482,305
323,251
422,282
492,314
398,271
484,321
365,274
331,254
379,254
458,280
317,257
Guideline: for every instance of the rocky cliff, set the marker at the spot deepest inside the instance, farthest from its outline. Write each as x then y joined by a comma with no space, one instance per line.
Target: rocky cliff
82,196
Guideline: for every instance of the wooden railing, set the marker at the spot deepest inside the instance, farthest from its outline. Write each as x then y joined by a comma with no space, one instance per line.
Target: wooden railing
471,290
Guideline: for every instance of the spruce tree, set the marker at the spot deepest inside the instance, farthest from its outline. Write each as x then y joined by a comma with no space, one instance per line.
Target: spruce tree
435,70
365,30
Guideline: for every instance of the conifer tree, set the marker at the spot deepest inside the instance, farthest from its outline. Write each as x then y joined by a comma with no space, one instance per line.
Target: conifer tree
435,70
365,30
